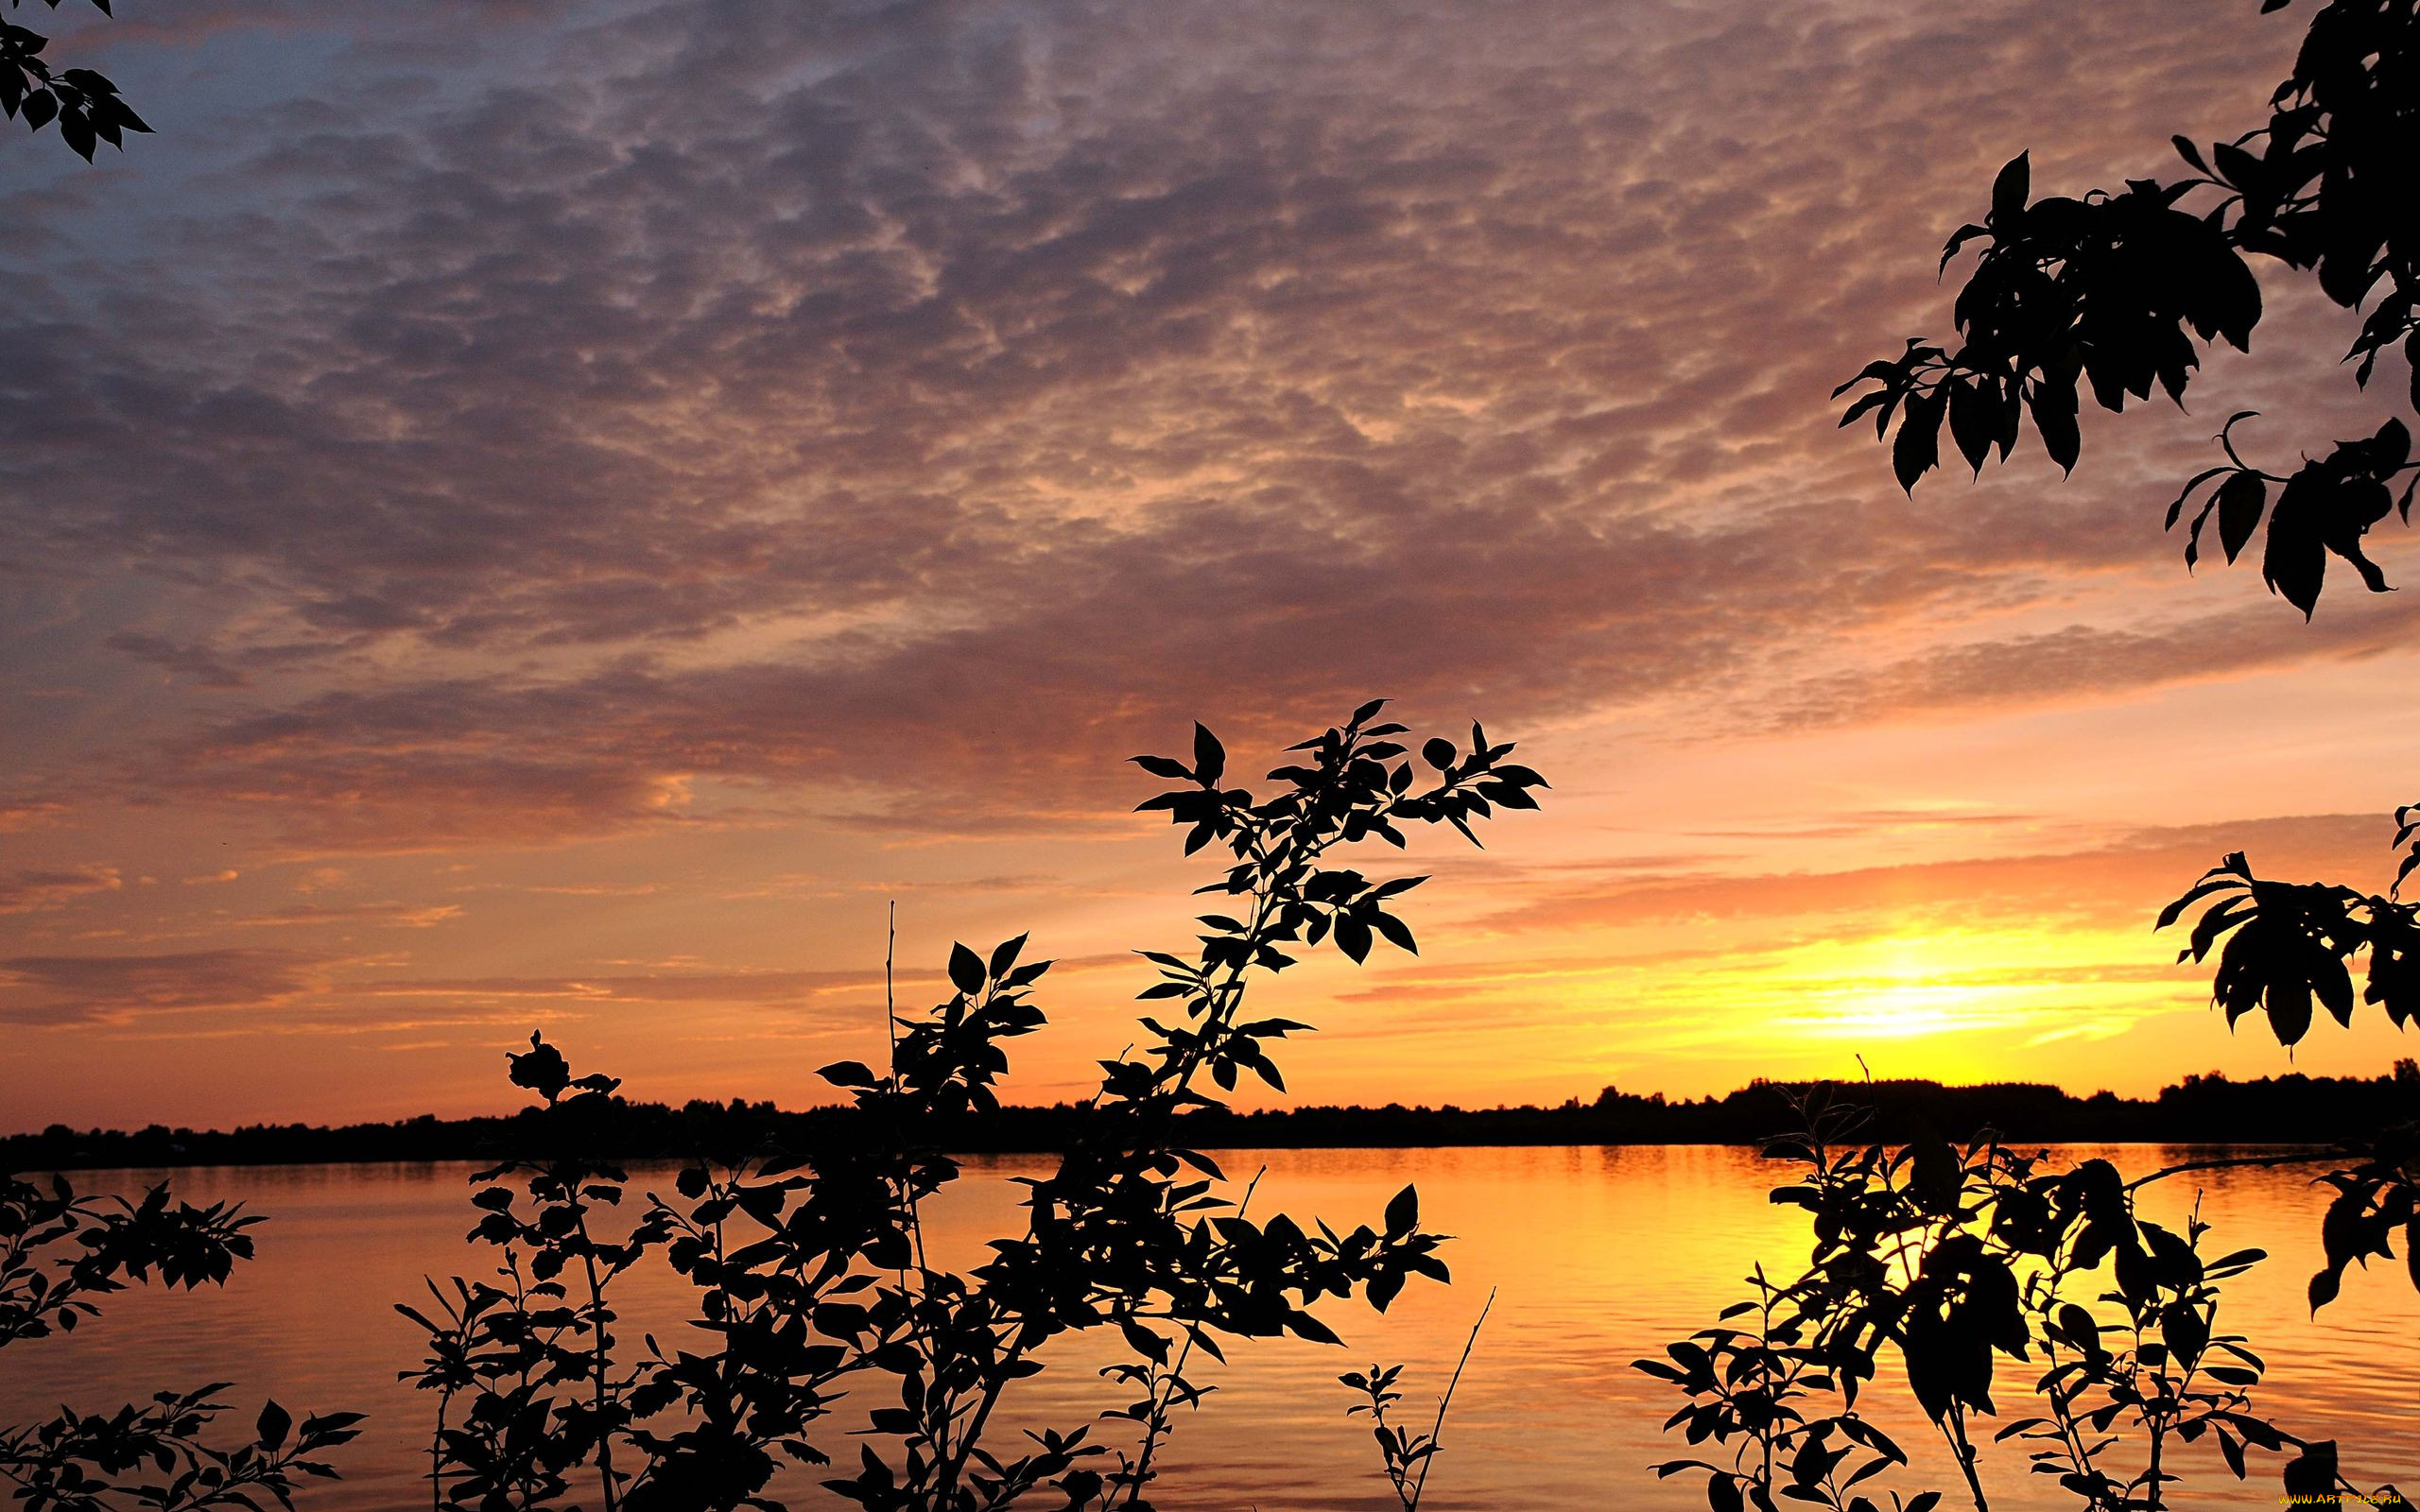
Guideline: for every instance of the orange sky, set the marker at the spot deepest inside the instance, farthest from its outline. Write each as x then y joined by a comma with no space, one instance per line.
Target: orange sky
540,539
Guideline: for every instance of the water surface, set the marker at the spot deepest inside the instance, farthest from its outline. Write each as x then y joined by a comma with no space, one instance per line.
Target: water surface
1597,1255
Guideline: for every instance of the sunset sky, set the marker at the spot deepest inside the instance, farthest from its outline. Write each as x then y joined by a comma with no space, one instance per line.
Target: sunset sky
548,514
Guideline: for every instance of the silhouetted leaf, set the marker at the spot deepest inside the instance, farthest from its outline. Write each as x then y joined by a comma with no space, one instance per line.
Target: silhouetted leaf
1973,422
2310,1476
2009,188
2295,562
2053,407
1917,450
2241,499
2324,1287
965,969
275,1422
1209,757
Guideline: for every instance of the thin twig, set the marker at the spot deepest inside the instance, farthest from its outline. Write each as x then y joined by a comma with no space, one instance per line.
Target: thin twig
603,1360
890,1024
2233,1162
899,1143
1447,1401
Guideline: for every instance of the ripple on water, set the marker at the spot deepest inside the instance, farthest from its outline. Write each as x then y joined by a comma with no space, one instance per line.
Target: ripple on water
1598,1256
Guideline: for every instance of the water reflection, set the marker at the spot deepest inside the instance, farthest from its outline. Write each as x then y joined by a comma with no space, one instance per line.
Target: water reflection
1598,1256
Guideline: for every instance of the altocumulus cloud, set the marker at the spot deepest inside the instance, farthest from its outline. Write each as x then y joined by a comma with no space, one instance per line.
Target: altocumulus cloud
117,989
31,891
819,398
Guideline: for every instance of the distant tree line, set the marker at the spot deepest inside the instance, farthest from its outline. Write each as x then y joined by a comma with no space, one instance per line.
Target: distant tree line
2289,1109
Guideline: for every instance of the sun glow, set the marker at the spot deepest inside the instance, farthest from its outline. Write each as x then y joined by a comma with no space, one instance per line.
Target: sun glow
1947,1003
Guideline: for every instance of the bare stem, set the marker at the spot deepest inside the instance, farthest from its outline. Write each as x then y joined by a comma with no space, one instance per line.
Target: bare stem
604,1361
1447,1401
2229,1162
1955,1426
891,1024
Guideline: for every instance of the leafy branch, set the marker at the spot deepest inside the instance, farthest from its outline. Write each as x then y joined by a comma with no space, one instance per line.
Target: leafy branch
1405,1455
85,104
58,1251
809,1266
2110,291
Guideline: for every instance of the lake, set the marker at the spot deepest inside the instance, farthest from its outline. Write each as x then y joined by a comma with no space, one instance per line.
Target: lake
1598,1256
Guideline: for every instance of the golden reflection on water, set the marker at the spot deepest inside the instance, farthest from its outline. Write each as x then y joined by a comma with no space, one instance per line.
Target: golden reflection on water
1598,1256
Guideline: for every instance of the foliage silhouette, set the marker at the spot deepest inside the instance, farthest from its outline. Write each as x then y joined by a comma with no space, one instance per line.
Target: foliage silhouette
2103,290
2288,944
85,104
1950,1261
57,1252
809,1269
1405,1455
2111,290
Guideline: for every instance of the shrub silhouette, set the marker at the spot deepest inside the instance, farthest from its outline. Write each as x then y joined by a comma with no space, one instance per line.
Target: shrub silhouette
58,1251
1404,1455
2102,290
1950,1261
1953,1262
2286,947
808,1268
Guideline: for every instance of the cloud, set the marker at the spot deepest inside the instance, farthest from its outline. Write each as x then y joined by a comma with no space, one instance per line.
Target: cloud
26,892
761,988
2124,879
956,398
393,915
54,990
26,816
415,450
766,988
2059,666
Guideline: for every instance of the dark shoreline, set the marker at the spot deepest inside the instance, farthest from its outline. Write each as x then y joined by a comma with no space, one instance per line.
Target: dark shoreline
2295,1111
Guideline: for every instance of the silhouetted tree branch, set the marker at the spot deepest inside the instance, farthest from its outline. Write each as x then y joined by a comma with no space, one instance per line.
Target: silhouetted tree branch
2110,291
59,1250
85,104
807,1267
